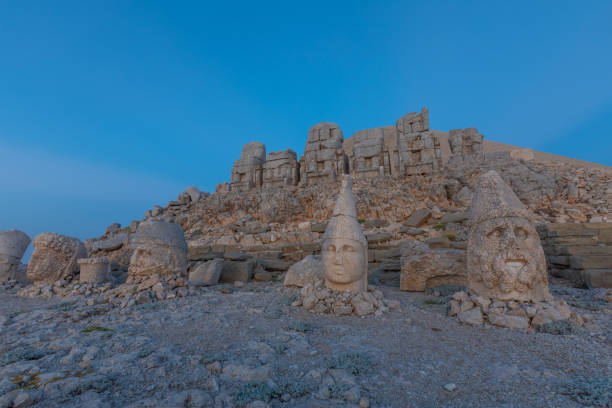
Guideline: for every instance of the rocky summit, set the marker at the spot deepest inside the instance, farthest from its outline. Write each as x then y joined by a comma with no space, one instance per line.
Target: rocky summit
400,267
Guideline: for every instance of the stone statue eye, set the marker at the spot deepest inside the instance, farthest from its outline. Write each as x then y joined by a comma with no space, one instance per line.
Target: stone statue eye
331,248
496,233
348,248
520,233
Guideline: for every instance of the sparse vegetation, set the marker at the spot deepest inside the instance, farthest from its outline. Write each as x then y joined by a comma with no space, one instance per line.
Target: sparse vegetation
21,354
452,237
338,391
440,226
91,329
434,301
301,327
353,362
589,391
562,327
252,392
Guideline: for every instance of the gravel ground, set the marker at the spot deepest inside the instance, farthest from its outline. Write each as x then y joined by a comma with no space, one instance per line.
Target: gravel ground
249,347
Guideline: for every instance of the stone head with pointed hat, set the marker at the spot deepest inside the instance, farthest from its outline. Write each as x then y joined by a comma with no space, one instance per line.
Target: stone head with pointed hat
345,249
505,257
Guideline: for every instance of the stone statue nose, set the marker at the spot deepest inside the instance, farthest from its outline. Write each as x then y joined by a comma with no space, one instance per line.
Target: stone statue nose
338,260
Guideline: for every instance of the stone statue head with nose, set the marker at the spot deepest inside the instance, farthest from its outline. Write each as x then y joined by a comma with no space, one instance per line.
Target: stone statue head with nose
505,257
345,249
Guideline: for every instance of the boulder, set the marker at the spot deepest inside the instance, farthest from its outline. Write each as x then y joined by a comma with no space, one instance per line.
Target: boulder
55,257
159,248
237,271
13,244
207,273
423,267
472,316
418,218
307,271
511,322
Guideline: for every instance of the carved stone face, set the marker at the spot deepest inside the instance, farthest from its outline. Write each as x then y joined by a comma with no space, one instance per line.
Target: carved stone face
156,259
344,264
506,260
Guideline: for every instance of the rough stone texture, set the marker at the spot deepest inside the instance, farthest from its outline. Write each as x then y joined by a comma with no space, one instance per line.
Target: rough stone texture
418,218
13,244
581,253
370,156
305,272
55,257
344,248
237,271
207,273
281,169
115,242
159,248
94,270
247,172
418,148
466,145
511,322
323,159
505,258
423,267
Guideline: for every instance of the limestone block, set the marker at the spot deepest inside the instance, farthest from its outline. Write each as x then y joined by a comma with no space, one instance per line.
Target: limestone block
423,267
114,242
207,273
471,316
418,218
55,257
94,270
159,248
511,322
305,272
237,271
597,278
13,244
505,257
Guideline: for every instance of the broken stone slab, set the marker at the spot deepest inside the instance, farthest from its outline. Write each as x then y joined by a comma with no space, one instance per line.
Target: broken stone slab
55,257
411,231
318,227
423,267
308,271
472,316
511,322
13,244
236,256
113,243
597,278
207,273
236,271
457,218
418,218
277,265
378,237
94,270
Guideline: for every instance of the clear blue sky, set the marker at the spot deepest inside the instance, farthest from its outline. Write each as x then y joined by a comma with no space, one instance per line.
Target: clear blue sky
110,107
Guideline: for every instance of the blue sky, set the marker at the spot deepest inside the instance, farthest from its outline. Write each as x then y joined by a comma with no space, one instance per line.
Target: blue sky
110,107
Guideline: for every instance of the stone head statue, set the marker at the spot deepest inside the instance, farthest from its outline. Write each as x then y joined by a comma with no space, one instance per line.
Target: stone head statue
159,248
505,257
345,249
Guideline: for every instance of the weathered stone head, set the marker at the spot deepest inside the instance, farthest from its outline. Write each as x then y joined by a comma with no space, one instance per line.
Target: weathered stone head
55,257
159,248
505,257
345,249
13,244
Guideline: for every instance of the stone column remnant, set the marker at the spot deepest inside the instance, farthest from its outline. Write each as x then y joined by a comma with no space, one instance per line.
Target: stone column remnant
466,145
324,158
281,169
418,148
247,172
13,244
344,247
159,248
370,156
55,257
505,257
94,270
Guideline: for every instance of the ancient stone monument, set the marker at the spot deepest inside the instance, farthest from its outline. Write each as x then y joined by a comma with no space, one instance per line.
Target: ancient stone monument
13,244
370,156
159,248
323,155
505,258
55,257
281,169
94,270
247,172
466,144
418,148
344,247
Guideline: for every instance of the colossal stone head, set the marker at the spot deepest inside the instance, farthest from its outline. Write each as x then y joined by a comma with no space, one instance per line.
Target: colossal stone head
345,249
505,257
159,248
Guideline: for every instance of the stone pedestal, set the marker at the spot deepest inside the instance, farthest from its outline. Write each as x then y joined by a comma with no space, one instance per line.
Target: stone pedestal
94,270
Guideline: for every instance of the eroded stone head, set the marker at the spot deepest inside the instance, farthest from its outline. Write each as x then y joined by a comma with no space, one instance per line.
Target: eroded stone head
159,248
505,257
344,250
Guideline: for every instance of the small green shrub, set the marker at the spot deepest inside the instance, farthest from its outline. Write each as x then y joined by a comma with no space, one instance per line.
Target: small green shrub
354,362
361,220
434,301
452,237
440,226
252,392
338,391
91,329
301,327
